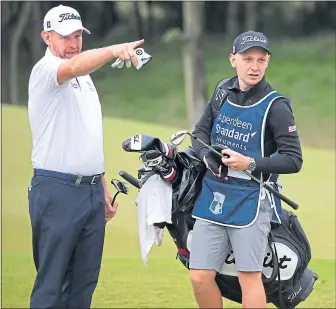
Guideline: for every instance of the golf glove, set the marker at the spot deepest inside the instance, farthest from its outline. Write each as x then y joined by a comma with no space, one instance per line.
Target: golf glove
143,58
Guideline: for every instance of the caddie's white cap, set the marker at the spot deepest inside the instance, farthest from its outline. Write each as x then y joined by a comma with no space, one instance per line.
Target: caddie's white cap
64,20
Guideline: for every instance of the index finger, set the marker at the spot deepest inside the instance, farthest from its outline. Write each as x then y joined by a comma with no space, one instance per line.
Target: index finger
227,160
227,151
137,43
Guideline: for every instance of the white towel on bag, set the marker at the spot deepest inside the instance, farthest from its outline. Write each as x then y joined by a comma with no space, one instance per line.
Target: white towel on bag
154,205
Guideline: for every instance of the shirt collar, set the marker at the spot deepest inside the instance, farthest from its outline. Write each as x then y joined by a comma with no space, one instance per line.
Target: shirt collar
48,53
235,85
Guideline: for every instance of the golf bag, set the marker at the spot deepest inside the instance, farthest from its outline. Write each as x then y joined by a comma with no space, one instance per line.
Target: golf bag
286,276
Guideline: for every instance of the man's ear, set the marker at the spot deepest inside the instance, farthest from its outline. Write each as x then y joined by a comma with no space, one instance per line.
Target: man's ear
46,37
232,59
268,59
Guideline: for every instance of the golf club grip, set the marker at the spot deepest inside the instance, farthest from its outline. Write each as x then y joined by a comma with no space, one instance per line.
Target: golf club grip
208,146
281,196
129,178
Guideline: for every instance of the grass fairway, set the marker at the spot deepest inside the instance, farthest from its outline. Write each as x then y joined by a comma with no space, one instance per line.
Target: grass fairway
124,281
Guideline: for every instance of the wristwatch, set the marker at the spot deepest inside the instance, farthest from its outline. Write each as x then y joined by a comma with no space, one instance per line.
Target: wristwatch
251,165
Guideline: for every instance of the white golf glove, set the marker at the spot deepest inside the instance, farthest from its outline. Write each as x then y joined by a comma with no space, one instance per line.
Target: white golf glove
143,58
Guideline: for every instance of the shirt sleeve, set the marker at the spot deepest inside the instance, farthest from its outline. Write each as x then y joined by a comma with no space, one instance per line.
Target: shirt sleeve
282,126
202,131
46,71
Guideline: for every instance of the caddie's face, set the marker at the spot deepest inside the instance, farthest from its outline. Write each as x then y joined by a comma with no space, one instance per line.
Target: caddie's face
64,47
250,66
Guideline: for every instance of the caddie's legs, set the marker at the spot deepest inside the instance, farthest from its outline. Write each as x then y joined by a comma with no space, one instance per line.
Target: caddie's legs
209,247
253,292
205,288
249,246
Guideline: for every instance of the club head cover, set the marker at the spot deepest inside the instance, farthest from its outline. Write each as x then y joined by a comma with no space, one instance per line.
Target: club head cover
151,158
143,142
167,170
167,150
161,165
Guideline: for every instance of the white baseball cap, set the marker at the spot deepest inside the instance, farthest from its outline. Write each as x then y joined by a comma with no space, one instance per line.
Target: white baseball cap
64,20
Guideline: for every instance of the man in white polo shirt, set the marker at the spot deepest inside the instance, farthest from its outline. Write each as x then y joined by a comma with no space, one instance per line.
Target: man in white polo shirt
69,201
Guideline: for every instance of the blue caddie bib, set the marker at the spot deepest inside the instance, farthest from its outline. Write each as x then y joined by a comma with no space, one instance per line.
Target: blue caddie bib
235,202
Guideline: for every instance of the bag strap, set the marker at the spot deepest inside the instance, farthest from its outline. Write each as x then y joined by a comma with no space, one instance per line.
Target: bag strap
219,94
276,266
275,263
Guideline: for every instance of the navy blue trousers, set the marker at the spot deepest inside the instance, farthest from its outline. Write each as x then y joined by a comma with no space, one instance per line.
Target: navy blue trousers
68,229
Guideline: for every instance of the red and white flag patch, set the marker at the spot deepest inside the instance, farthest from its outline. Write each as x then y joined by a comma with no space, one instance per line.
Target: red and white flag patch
292,128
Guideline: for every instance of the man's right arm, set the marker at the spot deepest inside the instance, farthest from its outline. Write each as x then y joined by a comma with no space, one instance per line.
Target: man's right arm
204,126
203,132
89,61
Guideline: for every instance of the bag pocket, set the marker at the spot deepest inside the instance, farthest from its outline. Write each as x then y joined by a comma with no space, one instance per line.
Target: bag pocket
296,228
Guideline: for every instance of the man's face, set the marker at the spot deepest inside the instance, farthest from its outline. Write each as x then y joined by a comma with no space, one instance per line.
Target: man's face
64,47
250,66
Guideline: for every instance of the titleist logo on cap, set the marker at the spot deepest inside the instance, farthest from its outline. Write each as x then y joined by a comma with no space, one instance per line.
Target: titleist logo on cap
67,16
250,38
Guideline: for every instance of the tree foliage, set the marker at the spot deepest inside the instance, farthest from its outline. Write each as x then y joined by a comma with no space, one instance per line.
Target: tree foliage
110,19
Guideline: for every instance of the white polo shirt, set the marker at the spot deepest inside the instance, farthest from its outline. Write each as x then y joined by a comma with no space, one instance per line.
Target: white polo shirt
65,120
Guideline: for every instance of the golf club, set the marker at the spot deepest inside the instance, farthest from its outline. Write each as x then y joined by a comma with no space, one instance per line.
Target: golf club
129,178
177,138
122,187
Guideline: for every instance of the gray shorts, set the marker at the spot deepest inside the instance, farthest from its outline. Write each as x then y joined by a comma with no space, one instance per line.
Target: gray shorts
211,243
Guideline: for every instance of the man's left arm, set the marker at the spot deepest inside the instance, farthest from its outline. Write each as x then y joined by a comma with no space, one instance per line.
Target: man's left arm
110,210
282,125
